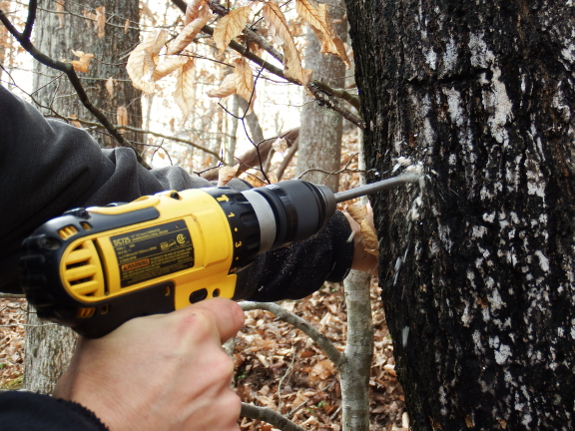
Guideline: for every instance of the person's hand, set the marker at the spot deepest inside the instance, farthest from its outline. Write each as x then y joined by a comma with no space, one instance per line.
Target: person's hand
161,372
365,252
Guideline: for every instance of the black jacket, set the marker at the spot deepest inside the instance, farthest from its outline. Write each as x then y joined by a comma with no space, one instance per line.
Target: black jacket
25,411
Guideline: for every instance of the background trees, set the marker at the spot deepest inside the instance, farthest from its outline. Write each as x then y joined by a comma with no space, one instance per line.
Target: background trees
476,264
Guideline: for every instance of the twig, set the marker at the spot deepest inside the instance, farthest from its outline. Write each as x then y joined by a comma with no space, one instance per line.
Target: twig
338,92
296,408
271,417
323,97
280,382
150,132
287,316
344,169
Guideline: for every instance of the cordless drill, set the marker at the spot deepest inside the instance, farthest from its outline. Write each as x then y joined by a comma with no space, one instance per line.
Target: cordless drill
95,268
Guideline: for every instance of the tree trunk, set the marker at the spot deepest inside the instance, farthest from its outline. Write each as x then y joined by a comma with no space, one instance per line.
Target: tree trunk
476,267
354,371
49,348
58,34
319,151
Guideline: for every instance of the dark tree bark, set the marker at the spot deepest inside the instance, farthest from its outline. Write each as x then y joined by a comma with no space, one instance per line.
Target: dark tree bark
477,267
58,38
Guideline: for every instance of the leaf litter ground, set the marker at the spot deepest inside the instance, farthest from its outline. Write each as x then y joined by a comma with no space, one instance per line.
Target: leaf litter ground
277,366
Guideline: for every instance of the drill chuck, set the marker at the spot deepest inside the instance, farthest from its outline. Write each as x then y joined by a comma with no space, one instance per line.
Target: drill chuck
290,211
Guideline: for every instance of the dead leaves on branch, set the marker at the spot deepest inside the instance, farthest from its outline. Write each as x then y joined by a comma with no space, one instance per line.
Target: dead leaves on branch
190,31
98,18
82,64
155,58
185,85
230,26
317,16
240,82
279,28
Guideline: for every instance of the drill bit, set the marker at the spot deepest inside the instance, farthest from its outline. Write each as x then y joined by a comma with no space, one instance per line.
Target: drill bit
377,186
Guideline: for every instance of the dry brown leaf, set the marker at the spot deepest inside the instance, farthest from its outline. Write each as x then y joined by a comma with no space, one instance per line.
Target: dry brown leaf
121,117
255,48
126,26
168,64
226,88
60,11
143,59
244,80
185,87
82,64
317,16
75,122
148,12
225,175
321,371
190,31
193,10
140,68
100,21
230,26
369,237
110,83
390,369
154,43
90,16
292,61
332,44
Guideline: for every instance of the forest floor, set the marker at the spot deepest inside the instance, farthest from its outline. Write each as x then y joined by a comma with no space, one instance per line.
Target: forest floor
277,366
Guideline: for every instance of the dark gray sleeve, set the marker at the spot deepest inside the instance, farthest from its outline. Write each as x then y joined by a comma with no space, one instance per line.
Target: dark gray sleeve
25,411
48,167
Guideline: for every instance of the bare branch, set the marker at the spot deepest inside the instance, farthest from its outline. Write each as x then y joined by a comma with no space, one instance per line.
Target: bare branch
338,92
271,417
287,316
329,101
151,132
30,20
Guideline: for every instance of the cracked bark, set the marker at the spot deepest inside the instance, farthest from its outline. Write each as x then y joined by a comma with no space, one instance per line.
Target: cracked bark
477,268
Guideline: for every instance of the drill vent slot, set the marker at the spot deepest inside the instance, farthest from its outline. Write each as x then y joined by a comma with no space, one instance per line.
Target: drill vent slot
67,232
82,271
86,312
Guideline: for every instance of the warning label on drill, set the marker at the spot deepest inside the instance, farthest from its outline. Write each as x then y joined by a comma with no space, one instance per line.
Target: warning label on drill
153,252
